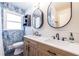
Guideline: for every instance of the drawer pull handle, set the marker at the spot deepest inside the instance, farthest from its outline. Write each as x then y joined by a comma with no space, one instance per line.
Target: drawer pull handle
52,53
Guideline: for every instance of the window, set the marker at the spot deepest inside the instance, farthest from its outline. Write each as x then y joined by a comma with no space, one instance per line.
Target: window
14,21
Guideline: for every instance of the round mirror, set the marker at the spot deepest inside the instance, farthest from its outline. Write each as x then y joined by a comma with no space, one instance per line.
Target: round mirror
37,21
59,14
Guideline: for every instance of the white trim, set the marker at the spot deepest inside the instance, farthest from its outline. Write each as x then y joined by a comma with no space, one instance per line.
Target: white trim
5,17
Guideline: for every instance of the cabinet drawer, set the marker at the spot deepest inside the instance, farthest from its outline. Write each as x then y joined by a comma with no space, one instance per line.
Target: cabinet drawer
63,53
47,49
54,51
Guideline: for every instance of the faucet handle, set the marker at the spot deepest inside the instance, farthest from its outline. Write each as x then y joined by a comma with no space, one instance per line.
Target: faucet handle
63,39
71,33
53,37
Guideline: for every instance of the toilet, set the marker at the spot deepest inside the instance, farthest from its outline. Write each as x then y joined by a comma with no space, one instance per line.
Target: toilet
18,46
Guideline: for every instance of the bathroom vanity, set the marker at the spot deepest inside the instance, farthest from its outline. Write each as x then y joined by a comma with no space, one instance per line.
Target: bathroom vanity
41,46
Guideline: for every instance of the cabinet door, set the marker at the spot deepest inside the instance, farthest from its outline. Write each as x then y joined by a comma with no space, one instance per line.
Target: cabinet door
26,48
32,48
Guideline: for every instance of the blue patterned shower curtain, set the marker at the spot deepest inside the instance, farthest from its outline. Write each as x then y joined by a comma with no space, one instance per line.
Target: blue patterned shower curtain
10,37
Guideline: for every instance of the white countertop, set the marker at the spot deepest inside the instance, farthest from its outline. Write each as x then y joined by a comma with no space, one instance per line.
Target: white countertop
63,45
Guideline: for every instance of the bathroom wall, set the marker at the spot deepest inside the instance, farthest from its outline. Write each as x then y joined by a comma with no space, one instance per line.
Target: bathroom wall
1,41
73,26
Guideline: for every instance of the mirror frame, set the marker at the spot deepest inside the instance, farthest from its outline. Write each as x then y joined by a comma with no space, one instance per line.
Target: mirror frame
40,19
66,23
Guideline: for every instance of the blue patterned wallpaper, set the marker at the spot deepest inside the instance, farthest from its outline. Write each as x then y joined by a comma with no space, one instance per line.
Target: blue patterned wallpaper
10,37
12,7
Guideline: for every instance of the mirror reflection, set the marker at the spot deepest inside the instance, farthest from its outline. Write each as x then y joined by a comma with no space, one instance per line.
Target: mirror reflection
59,14
37,18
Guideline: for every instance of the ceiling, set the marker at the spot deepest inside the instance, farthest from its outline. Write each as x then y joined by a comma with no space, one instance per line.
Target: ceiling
28,5
23,5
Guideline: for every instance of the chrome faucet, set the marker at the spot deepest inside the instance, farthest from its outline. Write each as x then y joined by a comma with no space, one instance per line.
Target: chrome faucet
57,35
36,33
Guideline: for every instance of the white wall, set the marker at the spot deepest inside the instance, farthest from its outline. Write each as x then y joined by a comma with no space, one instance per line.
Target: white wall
1,42
73,26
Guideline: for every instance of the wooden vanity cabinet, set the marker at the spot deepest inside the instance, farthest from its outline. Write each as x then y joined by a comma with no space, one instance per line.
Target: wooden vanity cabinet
34,48
30,48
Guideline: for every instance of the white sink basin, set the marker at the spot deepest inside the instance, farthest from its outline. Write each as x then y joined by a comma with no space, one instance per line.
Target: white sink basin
62,43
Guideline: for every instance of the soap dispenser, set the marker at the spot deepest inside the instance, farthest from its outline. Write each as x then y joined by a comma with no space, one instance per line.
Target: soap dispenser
71,38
